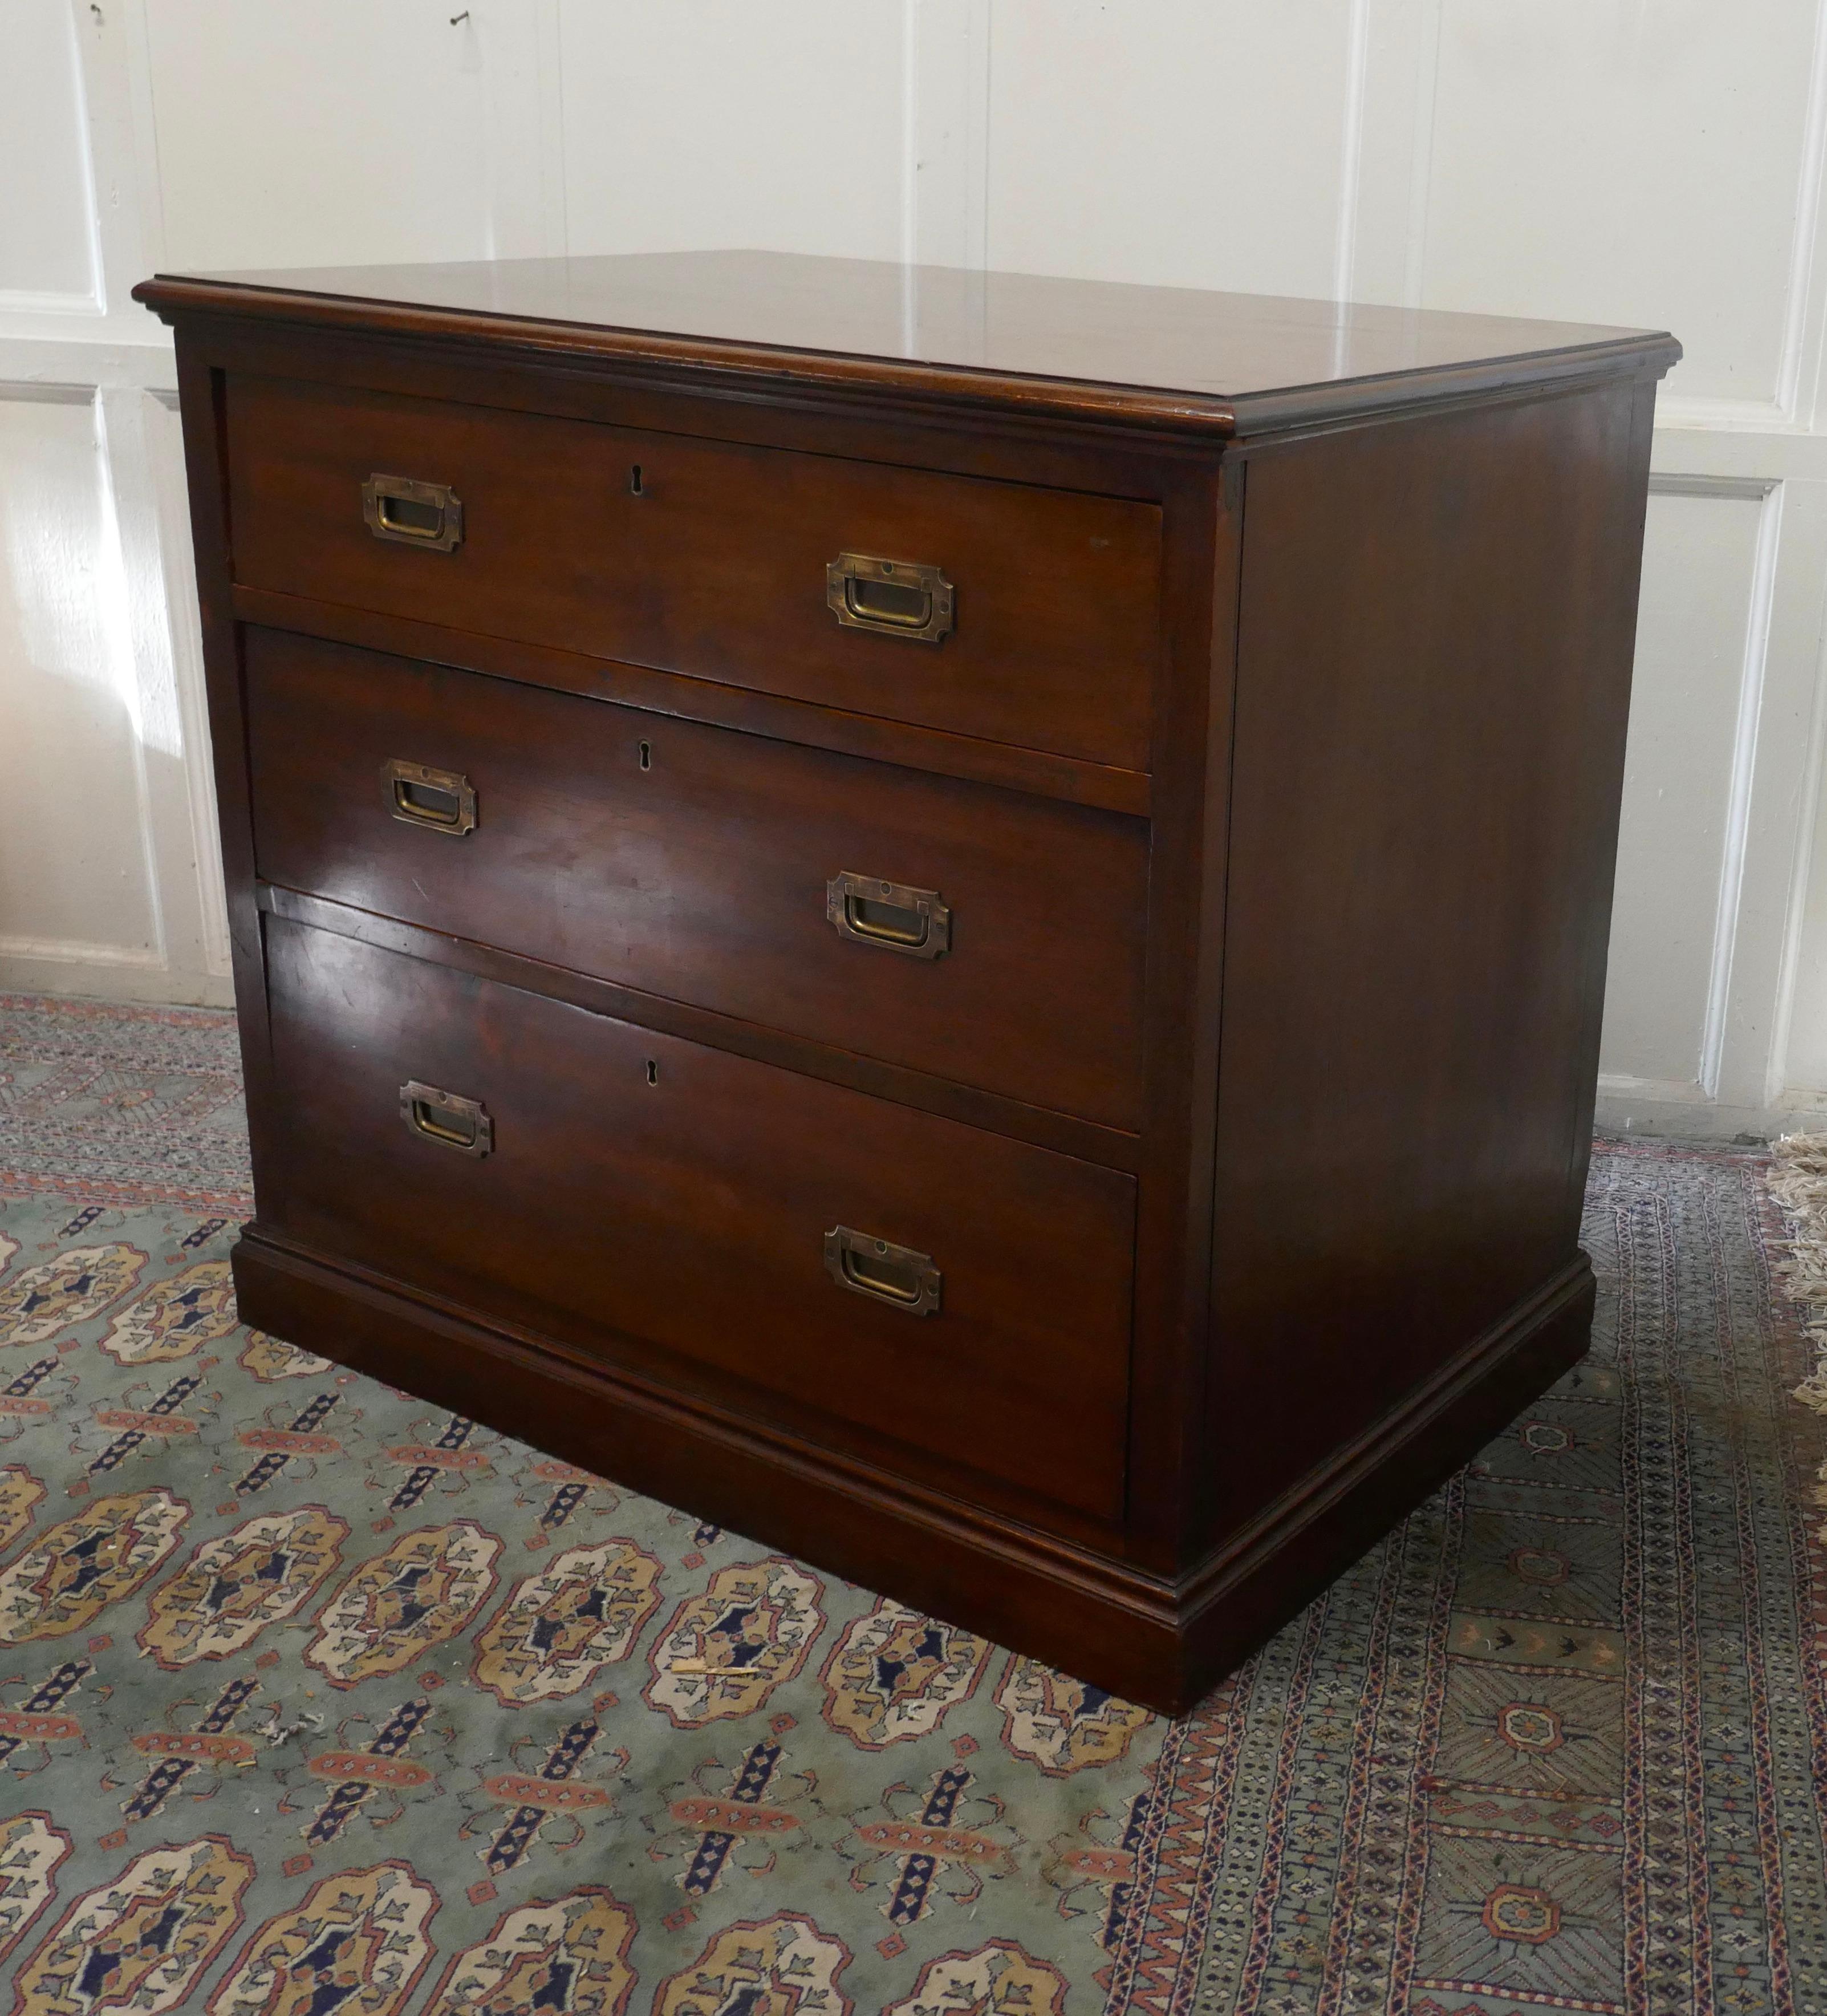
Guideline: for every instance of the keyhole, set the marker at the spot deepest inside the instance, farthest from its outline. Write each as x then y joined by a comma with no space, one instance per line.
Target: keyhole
646,755
652,1072
636,488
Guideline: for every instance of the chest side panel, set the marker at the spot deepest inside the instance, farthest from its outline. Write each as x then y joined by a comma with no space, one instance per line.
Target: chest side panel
1433,668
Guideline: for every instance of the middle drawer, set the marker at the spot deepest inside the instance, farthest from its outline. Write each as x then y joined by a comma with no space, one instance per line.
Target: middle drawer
988,937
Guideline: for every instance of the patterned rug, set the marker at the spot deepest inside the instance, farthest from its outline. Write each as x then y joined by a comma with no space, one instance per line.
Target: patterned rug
314,1699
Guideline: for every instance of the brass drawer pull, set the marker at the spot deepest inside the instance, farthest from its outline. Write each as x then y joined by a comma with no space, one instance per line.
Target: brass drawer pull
889,914
417,514
440,800
896,1275
446,1118
893,598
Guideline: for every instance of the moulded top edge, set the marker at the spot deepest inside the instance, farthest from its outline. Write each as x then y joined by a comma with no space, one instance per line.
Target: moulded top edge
1179,359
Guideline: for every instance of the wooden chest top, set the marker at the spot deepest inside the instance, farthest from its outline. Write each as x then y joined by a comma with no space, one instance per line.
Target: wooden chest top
1178,358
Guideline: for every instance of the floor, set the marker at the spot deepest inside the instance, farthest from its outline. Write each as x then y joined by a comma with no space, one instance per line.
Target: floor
314,1698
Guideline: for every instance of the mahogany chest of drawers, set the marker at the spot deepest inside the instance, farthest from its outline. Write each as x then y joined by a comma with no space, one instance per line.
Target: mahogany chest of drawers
959,921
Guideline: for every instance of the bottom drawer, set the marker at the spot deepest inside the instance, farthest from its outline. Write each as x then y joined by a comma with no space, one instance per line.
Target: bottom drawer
667,1207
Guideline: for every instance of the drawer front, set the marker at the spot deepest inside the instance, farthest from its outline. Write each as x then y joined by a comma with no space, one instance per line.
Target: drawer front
717,566
697,863
666,1207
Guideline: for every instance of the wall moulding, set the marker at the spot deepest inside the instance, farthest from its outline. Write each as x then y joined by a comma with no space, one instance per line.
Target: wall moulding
1669,1111
79,951
23,302
1749,489
48,392
29,362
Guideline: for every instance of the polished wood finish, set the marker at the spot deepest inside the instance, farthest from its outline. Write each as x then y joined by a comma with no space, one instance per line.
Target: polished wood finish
1456,1015
1109,1147
716,565
1109,788
1247,1117
1178,361
1059,1590
689,861
665,1203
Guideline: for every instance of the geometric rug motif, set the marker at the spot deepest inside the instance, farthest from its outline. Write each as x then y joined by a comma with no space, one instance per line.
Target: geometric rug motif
122,1104
314,1698
1572,1751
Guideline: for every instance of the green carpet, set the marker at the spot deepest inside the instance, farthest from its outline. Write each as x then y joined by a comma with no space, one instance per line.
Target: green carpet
315,1699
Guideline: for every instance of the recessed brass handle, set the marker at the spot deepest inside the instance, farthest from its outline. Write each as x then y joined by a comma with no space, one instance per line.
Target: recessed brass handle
896,1275
417,514
889,915
893,598
440,800
446,1118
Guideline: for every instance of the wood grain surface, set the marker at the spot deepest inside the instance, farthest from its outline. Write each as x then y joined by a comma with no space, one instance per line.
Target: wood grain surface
1271,774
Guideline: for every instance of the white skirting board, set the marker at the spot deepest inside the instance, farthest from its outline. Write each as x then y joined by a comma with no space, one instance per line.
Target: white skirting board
1666,1112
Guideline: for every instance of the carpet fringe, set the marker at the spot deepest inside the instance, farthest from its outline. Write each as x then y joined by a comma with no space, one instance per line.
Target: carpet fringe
1798,1182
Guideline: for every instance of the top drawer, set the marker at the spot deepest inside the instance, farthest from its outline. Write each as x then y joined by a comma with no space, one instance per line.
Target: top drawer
713,558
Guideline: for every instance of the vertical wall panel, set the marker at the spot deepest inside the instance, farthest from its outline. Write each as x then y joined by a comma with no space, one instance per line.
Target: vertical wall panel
73,865
196,904
332,134
45,247
719,123
1194,143
1807,1071
1625,163
1698,569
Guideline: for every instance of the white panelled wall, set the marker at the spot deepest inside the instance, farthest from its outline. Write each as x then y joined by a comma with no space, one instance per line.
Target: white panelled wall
1599,161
